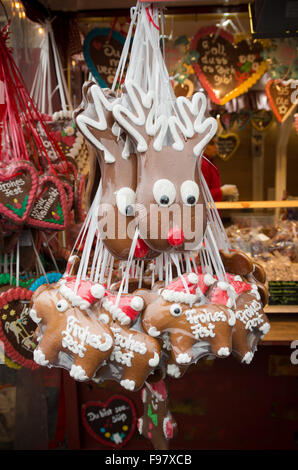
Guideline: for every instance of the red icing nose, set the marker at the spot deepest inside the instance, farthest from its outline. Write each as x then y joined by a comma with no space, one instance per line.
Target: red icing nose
141,249
175,236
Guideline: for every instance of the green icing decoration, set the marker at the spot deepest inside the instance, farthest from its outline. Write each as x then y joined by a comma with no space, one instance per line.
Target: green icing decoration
19,212
60,213
5,279
153,416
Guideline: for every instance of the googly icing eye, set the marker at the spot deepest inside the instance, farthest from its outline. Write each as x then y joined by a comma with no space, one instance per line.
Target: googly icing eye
164,192
62,305
125,200
175,310
189,192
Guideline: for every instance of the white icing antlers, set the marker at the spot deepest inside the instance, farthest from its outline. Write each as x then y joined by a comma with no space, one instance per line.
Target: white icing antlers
102,106
139,118
190,119
142,118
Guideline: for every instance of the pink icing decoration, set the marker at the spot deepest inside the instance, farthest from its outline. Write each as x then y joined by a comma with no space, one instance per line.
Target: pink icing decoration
239,286
169,430
219,296
124,305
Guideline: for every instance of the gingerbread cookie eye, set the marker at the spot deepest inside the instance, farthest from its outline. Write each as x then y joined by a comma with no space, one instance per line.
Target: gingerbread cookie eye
125,200
189,192
164,192
175,310
62,305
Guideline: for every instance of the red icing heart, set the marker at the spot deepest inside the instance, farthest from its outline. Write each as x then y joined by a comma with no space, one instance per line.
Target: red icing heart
16,326
50,210
97,45
224,68
18,186
68,139
111,423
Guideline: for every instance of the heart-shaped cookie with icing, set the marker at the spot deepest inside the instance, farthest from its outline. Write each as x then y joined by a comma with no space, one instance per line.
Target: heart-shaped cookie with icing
227,145
282,98
261,119
226,69
18,186
16,326
243,118
50,210
111,423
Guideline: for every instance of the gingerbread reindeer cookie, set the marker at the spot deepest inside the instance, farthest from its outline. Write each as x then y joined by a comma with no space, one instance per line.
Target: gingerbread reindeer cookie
180,310
67,336
169,187
251,325
135,355
117,164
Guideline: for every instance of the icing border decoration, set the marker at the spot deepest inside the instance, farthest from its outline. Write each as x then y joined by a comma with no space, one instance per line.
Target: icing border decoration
86,50
243,87
15,293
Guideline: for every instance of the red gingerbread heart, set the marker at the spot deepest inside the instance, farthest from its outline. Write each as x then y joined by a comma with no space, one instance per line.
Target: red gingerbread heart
111,423
226,69
50,210
16,326
18,186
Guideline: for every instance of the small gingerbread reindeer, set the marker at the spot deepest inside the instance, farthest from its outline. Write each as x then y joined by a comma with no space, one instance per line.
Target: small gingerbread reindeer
67,335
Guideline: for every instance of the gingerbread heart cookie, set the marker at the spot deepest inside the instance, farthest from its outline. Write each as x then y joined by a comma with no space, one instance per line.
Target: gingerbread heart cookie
261,119
226,69
227,145
111,423
18,186
282,98
50,209
16,326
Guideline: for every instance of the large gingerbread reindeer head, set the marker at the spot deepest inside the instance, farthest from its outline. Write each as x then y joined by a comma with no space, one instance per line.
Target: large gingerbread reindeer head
117,164
169,194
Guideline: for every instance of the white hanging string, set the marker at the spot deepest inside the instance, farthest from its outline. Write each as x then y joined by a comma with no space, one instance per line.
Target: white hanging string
41,90
128,266
90,225
11,266
38,260
176,262
50,251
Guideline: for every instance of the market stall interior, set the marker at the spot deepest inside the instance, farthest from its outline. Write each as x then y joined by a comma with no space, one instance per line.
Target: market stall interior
148,228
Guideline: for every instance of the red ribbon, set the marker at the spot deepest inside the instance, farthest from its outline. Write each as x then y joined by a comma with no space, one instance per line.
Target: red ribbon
150,19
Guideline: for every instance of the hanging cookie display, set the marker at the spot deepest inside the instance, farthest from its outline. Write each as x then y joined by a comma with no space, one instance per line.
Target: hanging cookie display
50,209
243,118
18,187
262,119
282,98
102,51
227,145
157,423
111,423
16,326
282,58
225,68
